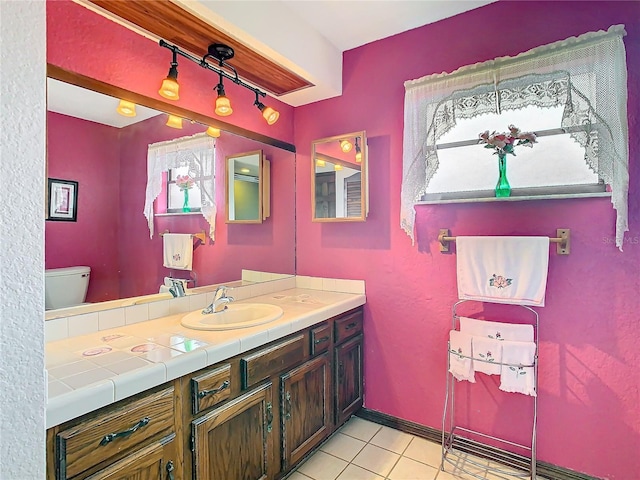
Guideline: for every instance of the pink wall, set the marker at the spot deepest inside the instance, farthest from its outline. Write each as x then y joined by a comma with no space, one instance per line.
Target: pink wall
589,419
88,153
268,246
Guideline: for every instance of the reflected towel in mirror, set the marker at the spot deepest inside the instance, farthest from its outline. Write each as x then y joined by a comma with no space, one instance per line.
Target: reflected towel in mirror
178,251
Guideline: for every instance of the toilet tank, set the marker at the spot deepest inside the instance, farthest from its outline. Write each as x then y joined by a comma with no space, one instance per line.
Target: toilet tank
65,287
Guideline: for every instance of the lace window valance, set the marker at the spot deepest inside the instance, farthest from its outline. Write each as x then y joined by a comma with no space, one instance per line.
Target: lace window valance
197,153
586,74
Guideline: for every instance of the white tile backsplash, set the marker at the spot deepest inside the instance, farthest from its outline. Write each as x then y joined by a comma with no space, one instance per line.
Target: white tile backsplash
83,324
111,318
136,314
56,329
179,305
159,309
329,284
198,302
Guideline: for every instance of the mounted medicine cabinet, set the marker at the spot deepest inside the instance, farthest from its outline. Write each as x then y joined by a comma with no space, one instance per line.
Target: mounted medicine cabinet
247,187
339,178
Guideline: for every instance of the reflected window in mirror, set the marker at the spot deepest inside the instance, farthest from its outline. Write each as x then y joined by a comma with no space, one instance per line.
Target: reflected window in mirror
339,183
247,180
183,190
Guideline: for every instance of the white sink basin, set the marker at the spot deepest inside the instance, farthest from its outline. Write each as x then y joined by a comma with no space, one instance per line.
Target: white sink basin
236,315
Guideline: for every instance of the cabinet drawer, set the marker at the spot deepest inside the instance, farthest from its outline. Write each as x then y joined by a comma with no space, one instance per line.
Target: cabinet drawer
269,361
99,438
320,339
210,388
348,326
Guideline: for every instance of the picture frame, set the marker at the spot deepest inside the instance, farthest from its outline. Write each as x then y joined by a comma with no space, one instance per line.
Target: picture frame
62,200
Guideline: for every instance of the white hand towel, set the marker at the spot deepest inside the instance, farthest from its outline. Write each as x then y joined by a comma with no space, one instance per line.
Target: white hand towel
518,379
461,368
509,270
487,355
178,251
496,330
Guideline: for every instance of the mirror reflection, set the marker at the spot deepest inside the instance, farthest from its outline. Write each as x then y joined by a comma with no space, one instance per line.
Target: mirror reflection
111,236
339,185
248,187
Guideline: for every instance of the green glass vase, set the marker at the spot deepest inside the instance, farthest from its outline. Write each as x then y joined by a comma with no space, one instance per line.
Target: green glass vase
503,189
185,205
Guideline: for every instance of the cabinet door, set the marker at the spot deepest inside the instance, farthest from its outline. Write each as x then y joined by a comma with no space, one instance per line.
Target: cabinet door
305,397
234,441
153,462
348,364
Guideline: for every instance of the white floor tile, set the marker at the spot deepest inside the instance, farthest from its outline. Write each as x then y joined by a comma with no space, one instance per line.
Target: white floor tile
376,459
343,446
391,439
353,472
322,466
360,429
424,451
407,469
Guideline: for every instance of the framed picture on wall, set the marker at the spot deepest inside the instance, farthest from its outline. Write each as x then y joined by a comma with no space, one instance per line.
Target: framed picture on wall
63,200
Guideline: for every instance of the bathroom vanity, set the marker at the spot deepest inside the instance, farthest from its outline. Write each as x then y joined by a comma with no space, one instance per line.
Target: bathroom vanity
252,415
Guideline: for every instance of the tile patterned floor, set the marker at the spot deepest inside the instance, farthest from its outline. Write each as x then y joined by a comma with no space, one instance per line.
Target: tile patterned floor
362,450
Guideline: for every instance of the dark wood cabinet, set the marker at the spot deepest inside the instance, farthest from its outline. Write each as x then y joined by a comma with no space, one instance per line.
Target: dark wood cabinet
348,379
235,441
305,401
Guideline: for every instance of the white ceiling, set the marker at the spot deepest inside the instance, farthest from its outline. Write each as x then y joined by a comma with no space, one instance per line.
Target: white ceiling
308,37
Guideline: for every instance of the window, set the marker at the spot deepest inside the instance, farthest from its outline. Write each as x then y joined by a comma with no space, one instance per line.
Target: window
554,165
573,91
193,156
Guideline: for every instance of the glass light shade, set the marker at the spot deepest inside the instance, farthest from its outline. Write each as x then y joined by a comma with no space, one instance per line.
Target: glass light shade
270,115
337,167
346,146
174,122
359,157
169,89
245,170
126,108
320,163
213,132
223,106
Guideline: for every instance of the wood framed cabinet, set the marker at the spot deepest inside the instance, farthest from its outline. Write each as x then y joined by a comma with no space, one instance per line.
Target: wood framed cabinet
235,441
254,416
305,401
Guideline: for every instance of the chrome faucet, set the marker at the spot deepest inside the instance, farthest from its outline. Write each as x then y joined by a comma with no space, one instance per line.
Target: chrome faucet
220,301
177,288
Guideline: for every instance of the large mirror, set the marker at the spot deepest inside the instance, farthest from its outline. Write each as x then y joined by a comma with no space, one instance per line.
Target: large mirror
339,183
110,233
247,183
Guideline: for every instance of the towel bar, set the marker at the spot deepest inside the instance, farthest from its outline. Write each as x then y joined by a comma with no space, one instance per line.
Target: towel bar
202,236
562,240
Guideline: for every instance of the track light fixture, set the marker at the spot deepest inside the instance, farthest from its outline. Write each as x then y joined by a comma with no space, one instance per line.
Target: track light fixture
170,87
346,146
213,132
220,53
126,108
174,121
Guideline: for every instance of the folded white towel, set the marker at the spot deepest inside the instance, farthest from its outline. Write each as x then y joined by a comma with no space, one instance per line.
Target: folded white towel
496,330
518,379
460,367
487,355
178,251
509,270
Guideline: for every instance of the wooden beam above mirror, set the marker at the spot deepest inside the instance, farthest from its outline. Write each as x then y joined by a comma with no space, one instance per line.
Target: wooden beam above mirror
168,21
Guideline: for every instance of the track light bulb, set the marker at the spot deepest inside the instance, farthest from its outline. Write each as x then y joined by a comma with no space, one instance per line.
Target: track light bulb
213,132
170,87
346,146
126,108
337,167
174,122
320,163
223,105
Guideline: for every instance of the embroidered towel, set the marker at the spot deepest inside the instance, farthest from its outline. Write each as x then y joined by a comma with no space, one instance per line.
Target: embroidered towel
496,330
487,355
178,251
461,368
518,379
503,269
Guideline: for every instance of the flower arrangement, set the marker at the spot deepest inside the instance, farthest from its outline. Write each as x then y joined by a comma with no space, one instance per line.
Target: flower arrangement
184,182
504,143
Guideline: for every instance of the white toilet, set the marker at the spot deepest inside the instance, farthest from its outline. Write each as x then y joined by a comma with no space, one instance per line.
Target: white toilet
65,287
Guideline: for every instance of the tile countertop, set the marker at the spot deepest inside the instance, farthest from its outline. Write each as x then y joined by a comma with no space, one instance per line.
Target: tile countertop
91,371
